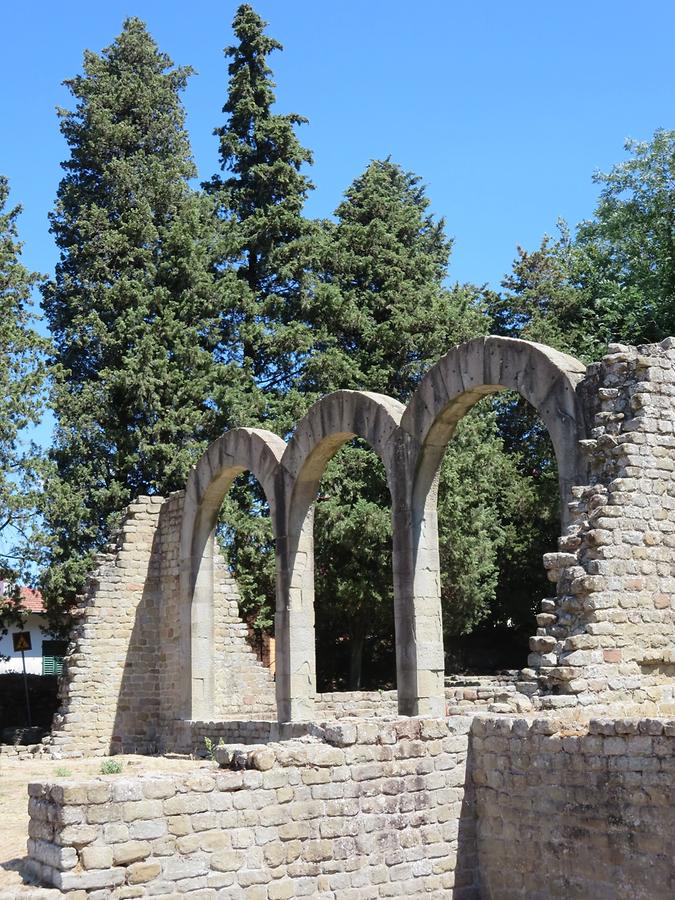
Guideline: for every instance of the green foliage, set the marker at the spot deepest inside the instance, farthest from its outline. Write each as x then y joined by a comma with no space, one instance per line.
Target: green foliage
627,251
110,767
211,747
246,536
133,309
353,573
22,381
264,245
542,299
63,772
379,310
614,281
259,201
382,316
176,314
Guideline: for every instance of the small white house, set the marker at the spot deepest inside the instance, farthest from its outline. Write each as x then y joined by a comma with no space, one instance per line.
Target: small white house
46,654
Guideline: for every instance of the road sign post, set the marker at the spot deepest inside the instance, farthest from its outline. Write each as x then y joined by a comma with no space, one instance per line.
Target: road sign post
22,642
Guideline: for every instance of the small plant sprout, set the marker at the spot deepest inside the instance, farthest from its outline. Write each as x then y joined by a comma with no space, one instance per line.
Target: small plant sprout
211,747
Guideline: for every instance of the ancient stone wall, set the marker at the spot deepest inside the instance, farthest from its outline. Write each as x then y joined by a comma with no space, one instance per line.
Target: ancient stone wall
160,655
609,634
468,808
110,689
368,809
565,812
124,672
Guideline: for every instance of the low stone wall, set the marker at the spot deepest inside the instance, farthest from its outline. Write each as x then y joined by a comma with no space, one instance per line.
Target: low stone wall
359,704
464,695
470,808
565,813
501,693
374,809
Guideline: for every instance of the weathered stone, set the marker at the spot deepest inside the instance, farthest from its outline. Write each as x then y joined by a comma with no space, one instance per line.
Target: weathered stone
131,851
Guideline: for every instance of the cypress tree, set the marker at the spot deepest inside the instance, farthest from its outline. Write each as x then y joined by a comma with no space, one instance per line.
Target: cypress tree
265,240
133,308
265,245
22,374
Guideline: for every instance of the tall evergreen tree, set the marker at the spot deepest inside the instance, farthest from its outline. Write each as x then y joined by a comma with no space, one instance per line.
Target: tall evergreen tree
382,316
380,313
260,197
265,245
22,375
133,308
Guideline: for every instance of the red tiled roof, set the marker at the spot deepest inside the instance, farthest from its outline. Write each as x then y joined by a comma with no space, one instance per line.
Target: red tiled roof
32,600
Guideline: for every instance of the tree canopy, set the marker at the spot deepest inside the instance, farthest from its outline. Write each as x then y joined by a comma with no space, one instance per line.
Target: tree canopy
177,311
22,382
133,308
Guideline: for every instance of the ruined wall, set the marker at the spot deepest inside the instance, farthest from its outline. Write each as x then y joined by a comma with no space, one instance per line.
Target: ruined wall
110,688
124,671
372,810
575,813
470,808
609,634
606,638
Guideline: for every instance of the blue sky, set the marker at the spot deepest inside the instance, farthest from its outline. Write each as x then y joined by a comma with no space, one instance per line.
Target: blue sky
504,109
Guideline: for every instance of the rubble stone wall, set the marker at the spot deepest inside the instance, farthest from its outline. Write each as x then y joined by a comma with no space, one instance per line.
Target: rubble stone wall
110,689
124,671
609,634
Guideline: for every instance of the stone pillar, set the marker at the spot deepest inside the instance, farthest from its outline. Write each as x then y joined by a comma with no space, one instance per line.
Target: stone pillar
294,618
417,598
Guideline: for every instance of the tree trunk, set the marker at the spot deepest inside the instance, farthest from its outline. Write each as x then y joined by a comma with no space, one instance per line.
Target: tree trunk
356,645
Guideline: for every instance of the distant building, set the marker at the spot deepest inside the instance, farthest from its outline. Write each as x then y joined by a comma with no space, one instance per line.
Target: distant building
46,654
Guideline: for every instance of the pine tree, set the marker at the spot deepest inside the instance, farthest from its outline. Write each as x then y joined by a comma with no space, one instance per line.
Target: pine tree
133,308
22,374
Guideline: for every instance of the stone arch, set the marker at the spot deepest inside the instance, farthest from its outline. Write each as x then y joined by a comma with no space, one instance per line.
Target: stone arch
544,377
328,424
240,450
547,379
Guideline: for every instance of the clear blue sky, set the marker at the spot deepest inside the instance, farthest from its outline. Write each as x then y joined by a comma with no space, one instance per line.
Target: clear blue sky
504,109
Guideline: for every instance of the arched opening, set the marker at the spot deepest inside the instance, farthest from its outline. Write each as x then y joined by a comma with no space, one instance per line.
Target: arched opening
544,378
354,594
331,423
236,452
498,513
